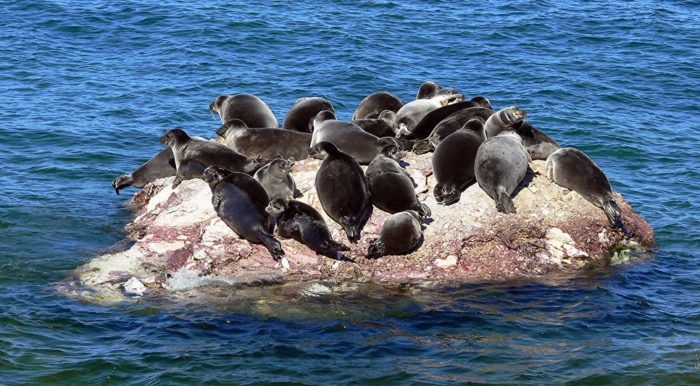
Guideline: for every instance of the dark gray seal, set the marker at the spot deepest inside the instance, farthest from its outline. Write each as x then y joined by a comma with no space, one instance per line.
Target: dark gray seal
382,126
504,119
433,118
193,155
453,164
301,222
160,166
350,138
277,180
240,201
428,89
265,142
574,170
401,234
248,108
538,144
342,190
501,163
374,104
391,188
449,125
300,116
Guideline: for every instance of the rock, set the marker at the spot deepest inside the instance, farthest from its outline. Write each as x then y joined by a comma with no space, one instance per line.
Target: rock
179,245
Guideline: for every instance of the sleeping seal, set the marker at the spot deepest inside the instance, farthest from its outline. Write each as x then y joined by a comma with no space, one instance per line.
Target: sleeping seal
401,234
574,170
412,112
248,108
382,126
342,190
501,163
265,142
374,104
240,201
350,138
301,115
301,222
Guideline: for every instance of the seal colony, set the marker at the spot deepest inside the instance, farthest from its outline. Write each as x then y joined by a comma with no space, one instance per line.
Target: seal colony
495,186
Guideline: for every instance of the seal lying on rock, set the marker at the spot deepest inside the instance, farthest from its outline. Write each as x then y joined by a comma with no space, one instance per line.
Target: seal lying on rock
374,104
301,115
246,107
401,234
501,163
160,166
240,201
390,186
342,190
193,155
275,177
574,170
382,126
301,222
265,142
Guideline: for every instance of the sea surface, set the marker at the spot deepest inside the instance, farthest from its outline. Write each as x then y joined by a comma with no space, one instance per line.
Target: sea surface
86,88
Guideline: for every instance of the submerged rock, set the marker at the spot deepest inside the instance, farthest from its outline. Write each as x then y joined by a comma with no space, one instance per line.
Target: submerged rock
179,245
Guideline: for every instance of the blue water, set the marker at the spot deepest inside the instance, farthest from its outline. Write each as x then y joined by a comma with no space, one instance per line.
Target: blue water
86,88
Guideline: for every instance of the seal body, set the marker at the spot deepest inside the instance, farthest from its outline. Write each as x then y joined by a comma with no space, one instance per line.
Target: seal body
160,166
501,163
246,107
453,165
382,126
401,234
265,142
193,155
349,138
538,144
412,112
391,188
342,190
433,118
574,170
504,119
449,125
301,115
374,104
301,222
240,201
275,177
428,89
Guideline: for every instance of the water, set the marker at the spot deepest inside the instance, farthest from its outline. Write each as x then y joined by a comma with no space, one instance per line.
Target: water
87,87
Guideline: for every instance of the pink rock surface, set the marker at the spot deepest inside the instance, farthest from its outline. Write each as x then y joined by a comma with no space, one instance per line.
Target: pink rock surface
179,243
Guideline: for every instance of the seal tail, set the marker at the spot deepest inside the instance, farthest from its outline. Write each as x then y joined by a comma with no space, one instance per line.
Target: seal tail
504,203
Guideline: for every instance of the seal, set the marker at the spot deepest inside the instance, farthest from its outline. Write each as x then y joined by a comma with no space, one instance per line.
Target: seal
240,201
374,104
538,144
246,107
453,163
401,234
433,118
193,155
350,138
501,163
160,166
301,222
265,142
342,190
449,125
412,112
383,126
391,188
574,170
428,89
504,119
301,115
275,177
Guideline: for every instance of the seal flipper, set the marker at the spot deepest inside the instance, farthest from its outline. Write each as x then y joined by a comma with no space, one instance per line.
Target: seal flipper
613,213
272,244
504,203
